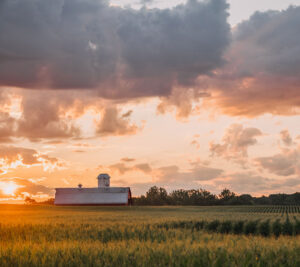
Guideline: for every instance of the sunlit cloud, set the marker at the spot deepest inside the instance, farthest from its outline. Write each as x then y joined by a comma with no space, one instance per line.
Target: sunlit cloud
17,189
9,188
235,143
12,157
122,90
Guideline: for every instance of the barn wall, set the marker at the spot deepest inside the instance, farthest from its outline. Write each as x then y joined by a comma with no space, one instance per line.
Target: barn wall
83,197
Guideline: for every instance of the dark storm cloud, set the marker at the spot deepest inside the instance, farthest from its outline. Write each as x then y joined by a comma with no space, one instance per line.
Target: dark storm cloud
271,43
121,52
263,70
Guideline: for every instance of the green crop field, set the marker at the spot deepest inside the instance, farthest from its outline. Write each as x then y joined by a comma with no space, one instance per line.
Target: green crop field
149,236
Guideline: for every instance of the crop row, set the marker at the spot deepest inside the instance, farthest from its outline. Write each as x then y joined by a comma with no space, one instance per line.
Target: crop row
264,228
274,209
154,232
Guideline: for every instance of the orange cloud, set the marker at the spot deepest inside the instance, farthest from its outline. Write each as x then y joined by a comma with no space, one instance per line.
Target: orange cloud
285,163
170,173
122,168
11,157
17,188
235,143
126,159
113,124
286,138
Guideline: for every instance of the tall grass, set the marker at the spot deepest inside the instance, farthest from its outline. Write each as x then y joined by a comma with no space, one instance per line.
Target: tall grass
154,236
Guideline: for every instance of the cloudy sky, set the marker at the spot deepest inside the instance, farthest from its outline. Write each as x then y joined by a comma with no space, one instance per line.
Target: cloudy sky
196,94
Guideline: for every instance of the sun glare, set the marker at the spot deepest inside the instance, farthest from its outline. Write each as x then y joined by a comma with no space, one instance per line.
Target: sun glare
8,188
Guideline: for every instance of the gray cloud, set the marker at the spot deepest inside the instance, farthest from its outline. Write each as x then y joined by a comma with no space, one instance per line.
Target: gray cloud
285,163
263,70
121,52
45,118
7,125
248,182
44,115
272,40
51,115
286,138
244,182
170,173
122,168
143,167
169,177
126,159
236,141
112,123
198,173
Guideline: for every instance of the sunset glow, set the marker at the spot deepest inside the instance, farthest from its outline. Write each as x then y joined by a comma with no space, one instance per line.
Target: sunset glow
8,188
212,102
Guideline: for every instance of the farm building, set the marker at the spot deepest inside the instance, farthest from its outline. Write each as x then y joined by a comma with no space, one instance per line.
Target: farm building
96,196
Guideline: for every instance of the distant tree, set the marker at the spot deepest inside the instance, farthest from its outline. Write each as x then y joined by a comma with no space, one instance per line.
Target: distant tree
206,197
278,199
263,200
49,201
157,196
244,199
226,195
179,197
293,199
30,201
140,201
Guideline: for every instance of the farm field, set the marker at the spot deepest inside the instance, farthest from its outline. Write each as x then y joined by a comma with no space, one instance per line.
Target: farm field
149,236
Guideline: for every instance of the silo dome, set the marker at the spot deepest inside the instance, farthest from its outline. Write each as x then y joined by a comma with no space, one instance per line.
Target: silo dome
103,180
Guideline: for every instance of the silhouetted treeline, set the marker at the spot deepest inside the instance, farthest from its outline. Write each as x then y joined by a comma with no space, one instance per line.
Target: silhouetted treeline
31,201
159,196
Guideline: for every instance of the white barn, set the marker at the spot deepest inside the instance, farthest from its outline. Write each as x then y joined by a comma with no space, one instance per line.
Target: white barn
96,196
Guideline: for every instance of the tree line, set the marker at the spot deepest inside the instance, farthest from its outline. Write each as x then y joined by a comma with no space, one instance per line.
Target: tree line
201,197
32,201
157,196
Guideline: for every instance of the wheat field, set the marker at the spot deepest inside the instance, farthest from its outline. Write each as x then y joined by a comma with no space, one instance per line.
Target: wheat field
148,236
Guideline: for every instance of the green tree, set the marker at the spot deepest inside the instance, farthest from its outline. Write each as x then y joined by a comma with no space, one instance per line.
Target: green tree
226,195
157,196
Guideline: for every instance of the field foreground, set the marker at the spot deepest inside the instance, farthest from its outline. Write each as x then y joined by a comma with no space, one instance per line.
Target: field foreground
149,236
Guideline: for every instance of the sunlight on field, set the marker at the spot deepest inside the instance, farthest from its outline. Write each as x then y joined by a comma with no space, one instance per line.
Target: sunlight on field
140,236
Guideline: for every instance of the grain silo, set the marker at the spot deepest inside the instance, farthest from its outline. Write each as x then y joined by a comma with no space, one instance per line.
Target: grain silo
96,196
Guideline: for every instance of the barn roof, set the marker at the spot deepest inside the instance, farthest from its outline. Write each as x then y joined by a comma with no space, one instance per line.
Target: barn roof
66,190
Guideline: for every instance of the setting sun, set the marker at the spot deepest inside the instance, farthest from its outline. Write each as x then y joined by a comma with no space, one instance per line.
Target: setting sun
8,188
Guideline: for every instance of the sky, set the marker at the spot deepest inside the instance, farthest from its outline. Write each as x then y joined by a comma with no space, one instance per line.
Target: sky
178,94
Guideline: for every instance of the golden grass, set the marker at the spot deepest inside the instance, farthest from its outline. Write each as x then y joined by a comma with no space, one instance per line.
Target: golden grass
127,236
